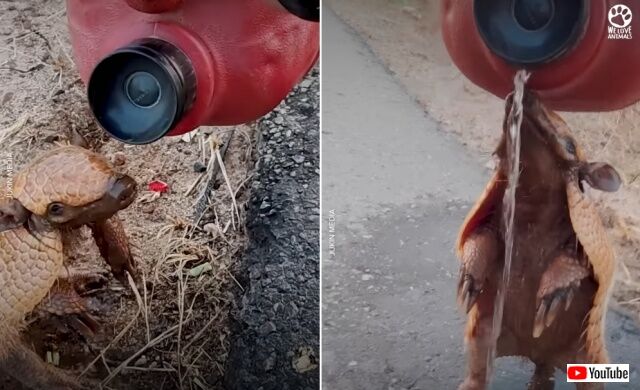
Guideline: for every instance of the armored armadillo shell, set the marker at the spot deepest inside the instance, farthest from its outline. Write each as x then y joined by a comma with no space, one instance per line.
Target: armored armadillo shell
70,175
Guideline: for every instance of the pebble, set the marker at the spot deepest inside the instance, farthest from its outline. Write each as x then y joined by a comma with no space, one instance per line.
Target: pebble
210,228
141,362
148,208
199,167
119,159
267,327
306,83
6,98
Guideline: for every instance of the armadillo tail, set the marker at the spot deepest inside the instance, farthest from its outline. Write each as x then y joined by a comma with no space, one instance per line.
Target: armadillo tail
595,346
593,238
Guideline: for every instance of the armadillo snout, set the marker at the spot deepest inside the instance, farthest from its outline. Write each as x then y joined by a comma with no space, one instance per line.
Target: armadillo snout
119,194
122,192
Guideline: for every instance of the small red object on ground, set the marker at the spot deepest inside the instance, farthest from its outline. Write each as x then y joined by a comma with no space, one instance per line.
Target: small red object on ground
158,186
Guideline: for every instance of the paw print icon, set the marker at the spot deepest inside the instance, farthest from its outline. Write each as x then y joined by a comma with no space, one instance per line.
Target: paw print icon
620,16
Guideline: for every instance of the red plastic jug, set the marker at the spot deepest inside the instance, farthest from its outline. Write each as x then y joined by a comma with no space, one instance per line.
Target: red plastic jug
164,67
584,54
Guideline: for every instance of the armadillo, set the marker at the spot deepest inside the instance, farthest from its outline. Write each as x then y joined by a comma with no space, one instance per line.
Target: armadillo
62,189
563,264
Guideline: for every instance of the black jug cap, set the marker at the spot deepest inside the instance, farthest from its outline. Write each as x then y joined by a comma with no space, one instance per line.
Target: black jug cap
140,92
530,32
305,9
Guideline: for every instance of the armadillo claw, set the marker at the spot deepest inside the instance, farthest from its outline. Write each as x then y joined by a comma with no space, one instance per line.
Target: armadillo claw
556,290
84,281
468,291
549,307
478,261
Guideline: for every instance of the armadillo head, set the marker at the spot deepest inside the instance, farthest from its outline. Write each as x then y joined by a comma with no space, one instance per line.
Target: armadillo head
549,147
66,187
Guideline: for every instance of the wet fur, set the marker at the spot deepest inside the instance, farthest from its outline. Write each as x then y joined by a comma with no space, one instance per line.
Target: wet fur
552,217
542,230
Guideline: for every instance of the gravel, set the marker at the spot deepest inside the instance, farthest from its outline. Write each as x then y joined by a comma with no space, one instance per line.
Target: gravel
275,342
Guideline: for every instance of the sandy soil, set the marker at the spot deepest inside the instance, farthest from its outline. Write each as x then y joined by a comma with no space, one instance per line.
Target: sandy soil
405,34
176,334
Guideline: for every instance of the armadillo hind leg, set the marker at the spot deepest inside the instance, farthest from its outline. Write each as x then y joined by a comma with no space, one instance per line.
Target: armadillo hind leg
590,386
65,302
81,280
113,244
543,377
557,287
479,341
479,260
26,366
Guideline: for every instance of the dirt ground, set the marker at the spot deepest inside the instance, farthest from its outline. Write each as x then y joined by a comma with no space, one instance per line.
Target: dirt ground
405,34
175,333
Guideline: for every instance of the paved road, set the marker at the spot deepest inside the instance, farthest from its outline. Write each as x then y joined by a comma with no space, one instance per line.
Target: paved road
275,343
399,188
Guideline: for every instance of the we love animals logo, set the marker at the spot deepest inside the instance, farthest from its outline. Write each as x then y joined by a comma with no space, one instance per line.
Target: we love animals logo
620,17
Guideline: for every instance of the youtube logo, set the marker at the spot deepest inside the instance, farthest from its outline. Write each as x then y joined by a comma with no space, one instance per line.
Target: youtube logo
598,373
577,373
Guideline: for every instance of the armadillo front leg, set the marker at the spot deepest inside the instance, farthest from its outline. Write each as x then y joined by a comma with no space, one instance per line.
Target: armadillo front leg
480,257
479,260
113,244
557,287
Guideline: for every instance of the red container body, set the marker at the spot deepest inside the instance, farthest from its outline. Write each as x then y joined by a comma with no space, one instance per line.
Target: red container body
598,74
247,54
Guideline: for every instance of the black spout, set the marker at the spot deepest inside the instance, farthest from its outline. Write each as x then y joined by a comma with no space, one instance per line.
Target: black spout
141,91
527,33
305,9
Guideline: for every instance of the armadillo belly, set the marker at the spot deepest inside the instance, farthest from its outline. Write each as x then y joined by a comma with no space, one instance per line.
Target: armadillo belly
29,265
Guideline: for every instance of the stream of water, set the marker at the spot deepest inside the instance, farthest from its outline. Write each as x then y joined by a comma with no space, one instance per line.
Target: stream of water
509,202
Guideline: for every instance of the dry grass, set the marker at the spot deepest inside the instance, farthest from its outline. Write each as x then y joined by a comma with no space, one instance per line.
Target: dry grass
189,287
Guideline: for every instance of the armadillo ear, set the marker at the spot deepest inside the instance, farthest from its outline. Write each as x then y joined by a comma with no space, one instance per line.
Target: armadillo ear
12,214
601,176
78,139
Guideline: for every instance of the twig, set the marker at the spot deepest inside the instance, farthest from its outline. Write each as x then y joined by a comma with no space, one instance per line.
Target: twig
32,69
626,271
201,331
10,131
211,174
120,335
231,193
163,336
631,301
146,307
181,293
